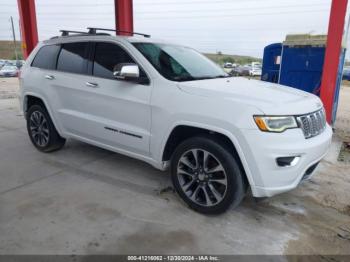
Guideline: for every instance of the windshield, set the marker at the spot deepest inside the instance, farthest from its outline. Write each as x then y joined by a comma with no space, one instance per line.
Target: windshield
178,63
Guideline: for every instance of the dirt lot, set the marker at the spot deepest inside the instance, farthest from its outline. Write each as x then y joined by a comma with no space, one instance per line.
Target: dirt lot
8,88
85,200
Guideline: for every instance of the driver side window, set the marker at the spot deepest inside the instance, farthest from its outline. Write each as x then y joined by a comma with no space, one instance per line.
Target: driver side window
107,58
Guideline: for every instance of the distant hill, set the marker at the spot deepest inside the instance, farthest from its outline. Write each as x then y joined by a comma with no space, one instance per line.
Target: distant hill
223,58
7,51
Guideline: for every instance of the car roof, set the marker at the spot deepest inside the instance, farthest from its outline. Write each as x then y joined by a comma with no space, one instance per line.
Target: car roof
102,37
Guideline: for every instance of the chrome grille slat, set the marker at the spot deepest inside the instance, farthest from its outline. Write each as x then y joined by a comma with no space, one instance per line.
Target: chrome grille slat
319,120
312,124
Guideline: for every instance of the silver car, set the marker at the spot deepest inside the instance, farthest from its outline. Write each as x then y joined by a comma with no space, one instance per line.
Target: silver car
9,71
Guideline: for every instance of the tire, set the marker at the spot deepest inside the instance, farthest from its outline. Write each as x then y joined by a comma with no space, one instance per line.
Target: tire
42,131
210,176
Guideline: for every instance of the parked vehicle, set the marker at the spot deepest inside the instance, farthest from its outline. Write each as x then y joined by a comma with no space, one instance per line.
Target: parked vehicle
150,100
240,71
10,62
235,71
8,71
2,63
228,65
255,69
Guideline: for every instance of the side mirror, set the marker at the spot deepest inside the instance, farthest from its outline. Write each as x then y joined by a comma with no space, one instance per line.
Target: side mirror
126,72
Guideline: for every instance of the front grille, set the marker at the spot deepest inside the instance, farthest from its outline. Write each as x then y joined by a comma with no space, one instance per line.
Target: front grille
312,124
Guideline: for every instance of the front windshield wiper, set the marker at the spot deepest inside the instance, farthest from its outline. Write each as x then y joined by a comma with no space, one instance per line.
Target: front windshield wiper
212,77
191,78
222,76
184,78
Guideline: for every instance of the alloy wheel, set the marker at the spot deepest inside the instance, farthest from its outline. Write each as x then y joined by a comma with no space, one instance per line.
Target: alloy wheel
202,177
39,129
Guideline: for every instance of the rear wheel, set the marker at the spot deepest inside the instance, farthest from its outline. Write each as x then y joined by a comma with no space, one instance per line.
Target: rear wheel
42,131
207,176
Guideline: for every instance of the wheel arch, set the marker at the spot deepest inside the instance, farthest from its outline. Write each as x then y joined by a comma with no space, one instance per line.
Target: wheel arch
30,99
183,131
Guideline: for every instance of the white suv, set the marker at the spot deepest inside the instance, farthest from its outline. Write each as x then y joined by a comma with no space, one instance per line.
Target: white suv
170,106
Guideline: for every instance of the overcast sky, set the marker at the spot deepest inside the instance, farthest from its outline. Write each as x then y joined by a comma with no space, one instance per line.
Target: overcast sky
242,27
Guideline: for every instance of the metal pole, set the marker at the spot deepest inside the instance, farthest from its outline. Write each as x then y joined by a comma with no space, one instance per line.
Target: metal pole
124,16
332,56
14,39
29,30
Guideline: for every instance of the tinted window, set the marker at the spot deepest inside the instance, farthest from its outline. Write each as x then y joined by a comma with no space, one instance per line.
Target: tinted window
107,57
73,58
46,57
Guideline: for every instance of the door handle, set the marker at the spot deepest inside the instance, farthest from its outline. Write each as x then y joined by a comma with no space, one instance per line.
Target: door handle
94,85
49,77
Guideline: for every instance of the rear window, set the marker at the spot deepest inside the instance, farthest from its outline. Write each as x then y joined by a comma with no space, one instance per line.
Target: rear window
73,58
46,57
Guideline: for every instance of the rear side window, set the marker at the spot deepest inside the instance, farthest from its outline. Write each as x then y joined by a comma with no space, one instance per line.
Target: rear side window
46,57
107,57
73,58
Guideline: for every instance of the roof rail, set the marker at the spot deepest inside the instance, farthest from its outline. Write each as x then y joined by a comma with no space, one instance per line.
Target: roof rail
93,30
67,32
76,33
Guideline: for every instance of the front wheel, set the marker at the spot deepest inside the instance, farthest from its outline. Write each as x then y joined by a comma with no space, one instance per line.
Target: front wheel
207,176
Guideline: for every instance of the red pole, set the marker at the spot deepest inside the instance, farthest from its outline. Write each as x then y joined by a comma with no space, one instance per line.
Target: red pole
29,31
332,56
124,16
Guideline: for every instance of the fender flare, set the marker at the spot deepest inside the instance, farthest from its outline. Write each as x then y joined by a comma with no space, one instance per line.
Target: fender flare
215,129
49,110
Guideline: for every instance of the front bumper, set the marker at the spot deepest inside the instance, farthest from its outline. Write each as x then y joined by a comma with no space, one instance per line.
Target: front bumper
8,74
262,149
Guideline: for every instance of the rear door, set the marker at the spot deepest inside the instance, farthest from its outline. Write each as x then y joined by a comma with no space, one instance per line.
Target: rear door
41,71
68,87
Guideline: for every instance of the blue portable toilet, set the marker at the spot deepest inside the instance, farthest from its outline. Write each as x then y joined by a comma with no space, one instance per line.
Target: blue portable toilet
301,64
303,57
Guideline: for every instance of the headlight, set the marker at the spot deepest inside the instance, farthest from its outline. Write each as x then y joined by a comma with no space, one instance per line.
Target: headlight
275,123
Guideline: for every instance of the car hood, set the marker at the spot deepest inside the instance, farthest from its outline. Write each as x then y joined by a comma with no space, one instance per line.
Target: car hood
269,98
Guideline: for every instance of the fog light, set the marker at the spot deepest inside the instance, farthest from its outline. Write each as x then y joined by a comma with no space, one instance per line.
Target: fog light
287,161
